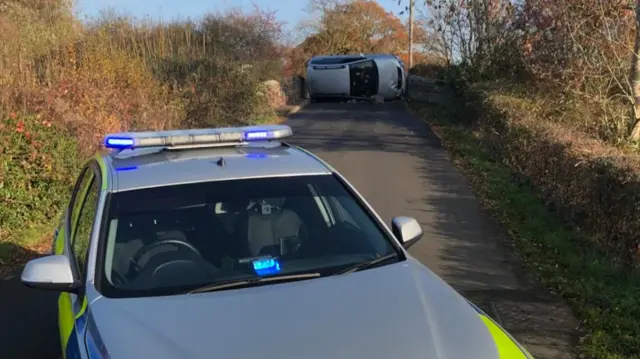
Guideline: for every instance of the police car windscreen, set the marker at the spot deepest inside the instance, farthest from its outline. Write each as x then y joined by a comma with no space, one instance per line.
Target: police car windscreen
171,239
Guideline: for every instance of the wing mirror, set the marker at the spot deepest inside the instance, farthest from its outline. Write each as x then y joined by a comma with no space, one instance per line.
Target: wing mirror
407,230
49,273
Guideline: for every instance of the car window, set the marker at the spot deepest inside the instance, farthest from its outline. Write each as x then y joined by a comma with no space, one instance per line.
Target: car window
83,183
169,239
344,215
82,235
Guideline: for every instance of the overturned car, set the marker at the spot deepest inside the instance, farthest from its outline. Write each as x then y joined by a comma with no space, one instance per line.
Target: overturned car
356,76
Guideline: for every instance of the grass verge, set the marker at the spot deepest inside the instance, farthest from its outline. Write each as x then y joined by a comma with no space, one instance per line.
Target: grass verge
604,297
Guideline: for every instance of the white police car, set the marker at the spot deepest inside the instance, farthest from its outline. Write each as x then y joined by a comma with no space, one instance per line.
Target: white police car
230,243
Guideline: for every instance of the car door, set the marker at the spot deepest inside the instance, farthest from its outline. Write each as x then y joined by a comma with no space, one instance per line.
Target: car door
78,226
364,79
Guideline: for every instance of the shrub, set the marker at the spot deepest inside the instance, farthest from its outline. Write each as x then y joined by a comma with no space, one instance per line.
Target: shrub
216,92
65,84
38,164
428,70
577,51
590,184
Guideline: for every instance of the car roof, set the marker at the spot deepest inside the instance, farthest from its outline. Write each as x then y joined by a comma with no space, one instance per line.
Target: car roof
156,166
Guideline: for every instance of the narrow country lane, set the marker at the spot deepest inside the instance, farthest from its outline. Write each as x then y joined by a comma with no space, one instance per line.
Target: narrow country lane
399,166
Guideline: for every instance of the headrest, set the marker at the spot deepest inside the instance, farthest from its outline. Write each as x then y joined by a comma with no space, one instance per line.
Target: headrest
267,206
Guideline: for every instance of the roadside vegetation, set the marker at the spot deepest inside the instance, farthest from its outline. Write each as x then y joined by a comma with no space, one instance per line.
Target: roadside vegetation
65,83
541,114
338,27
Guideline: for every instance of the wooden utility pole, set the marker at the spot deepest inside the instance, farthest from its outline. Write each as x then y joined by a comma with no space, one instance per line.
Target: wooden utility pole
635,77
411,33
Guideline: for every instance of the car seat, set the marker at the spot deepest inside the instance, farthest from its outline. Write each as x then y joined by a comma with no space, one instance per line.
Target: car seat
267,224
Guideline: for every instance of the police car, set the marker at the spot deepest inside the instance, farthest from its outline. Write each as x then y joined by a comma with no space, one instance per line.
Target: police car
231,243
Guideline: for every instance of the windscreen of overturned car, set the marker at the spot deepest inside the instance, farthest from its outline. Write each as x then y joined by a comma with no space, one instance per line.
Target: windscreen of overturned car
169,239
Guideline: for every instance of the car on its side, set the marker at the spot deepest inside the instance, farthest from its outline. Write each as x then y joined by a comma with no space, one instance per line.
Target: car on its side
356,76
232,243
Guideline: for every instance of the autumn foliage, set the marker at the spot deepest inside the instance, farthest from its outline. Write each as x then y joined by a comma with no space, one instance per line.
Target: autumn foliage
348,27
579,51
569,61
64,84
546,100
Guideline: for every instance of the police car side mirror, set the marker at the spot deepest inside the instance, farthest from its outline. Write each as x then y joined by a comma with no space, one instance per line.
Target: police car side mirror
49,273
407,230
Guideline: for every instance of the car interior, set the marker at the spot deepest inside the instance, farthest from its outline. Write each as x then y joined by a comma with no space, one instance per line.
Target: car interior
198,244
364,79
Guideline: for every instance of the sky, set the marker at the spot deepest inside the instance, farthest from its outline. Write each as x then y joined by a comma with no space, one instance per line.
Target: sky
288,11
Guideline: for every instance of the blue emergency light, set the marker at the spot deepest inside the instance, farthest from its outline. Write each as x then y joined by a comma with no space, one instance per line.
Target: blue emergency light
266,266
227,136
117,142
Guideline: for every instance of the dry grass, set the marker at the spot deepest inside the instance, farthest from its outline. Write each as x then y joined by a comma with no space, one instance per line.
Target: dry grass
64,84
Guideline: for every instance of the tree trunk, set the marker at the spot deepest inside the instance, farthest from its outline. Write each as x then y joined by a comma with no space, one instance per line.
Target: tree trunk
635,78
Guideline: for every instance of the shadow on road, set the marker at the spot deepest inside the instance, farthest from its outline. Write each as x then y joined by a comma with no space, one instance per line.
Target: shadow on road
407,172
28,317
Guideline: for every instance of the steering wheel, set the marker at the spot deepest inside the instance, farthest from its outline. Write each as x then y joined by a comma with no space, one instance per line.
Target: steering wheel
144,250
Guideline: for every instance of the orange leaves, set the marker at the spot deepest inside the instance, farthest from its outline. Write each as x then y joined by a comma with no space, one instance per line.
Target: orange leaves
20,127
355,26
22,138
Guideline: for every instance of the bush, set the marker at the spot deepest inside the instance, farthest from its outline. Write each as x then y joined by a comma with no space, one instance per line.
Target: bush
217,92
66,84
603,294
590,184
428,70
38,165
577,51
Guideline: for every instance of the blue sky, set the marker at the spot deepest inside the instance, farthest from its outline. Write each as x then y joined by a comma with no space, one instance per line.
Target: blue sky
289,11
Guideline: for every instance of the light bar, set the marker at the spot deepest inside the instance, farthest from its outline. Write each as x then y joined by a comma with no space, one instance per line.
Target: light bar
197,137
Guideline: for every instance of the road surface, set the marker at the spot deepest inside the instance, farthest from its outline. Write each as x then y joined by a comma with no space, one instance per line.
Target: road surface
399,166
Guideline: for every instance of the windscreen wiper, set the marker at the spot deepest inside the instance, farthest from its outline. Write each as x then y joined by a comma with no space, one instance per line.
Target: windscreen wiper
252,281
368,264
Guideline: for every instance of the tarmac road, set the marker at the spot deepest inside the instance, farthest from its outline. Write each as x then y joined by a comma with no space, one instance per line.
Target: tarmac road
397,163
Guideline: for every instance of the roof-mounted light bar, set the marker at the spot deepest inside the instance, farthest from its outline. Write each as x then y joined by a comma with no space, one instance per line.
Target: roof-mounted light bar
198,137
